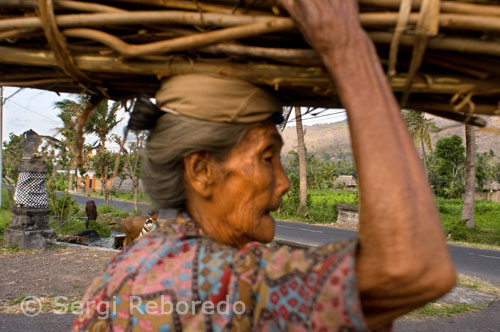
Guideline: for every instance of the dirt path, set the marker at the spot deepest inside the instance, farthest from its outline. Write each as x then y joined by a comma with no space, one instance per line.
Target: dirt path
60,271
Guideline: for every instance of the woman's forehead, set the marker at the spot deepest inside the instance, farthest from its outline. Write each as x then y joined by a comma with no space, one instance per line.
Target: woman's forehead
263,133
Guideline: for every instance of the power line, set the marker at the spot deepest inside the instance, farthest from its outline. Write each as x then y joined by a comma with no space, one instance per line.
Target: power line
320,116
30,110
12,95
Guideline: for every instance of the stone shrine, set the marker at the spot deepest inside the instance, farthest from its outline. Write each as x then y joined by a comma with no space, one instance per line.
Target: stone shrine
29,226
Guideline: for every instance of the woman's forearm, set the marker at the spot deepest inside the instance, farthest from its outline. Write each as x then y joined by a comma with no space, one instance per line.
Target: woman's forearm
401,238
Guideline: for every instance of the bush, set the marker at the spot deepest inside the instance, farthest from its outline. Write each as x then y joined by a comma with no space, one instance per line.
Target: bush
321,204
112,211
486,216
63,206
101,228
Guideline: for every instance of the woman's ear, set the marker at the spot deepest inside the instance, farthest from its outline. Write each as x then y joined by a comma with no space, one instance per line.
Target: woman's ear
200,173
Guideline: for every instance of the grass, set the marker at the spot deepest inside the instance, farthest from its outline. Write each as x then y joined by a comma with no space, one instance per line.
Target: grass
17,300
111,211
487,221
322,208
437,309
128,197
5,216
477,284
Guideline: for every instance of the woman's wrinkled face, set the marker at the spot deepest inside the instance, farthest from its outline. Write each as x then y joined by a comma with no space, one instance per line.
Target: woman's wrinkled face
250,185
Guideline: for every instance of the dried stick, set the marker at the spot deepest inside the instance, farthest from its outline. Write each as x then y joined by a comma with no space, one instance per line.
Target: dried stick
433,106
466,119
458,68
450,21
87,7
368,20
25,83
196,6
138,18
446,6
181,43
279,76
462,45
404,14
295,56
427,25
14,34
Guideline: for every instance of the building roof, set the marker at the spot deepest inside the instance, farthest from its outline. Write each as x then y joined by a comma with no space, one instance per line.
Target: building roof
348,180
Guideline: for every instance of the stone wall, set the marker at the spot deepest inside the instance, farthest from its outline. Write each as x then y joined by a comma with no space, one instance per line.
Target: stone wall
347,213
126,186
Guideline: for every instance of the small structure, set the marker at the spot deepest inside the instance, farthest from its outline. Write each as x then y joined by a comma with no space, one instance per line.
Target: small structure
29,226
489,192
345,182
347,213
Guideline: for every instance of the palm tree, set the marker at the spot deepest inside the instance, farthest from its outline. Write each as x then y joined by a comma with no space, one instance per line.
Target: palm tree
69,110
420,129
470,177
302,160
103,121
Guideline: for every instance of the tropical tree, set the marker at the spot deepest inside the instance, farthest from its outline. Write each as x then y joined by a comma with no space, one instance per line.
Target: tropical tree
69,111
420,128
470,175
447,178
103,120
11,159
301,147
132,161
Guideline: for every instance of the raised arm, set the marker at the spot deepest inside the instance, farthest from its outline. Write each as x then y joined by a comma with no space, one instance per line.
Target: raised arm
403,260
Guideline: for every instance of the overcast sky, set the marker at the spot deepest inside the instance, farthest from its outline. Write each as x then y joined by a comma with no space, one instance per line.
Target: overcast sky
34,109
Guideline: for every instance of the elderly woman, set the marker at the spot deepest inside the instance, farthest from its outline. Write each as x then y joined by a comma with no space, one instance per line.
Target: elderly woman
214,154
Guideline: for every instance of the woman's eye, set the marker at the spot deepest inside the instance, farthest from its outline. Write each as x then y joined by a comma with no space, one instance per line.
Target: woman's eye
268,159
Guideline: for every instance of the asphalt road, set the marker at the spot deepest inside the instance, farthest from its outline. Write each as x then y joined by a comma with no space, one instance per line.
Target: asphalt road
481,263
486,320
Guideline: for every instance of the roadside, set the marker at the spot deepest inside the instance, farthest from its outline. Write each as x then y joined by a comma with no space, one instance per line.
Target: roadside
96,194
354,227
68,271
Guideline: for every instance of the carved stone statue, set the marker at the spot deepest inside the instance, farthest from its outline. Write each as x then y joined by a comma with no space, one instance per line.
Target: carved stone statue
30,144
29,226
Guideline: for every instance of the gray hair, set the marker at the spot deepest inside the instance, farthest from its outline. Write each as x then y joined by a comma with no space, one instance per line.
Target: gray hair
173,138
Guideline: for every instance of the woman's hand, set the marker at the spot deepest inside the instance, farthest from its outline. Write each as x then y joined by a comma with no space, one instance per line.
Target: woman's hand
325,24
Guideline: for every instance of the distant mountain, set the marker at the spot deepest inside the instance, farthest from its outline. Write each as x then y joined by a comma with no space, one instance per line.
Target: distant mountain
333,140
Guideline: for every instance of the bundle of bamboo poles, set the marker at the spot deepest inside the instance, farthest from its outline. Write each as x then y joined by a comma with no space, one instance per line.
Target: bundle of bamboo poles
440,56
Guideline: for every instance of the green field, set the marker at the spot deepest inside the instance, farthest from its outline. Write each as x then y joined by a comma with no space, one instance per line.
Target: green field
322,208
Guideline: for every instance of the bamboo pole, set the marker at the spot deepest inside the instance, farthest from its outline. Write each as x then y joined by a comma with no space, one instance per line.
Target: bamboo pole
65,4
368,20
450,21
181,43
433,106
295,56
427,26
401,25
138,18
87,7
276,76
446,6
462,45
34,83
197,6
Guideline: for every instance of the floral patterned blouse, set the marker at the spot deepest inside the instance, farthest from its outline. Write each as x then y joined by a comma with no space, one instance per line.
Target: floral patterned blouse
178,279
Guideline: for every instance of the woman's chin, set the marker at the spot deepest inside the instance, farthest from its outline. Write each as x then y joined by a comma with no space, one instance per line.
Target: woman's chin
265,232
